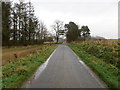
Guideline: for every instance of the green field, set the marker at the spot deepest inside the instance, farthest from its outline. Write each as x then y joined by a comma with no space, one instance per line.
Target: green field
17,71
102,57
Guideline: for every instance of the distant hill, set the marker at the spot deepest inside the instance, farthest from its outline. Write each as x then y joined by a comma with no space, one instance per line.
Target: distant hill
98,38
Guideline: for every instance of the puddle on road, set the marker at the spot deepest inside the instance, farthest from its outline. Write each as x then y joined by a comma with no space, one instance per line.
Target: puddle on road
40,69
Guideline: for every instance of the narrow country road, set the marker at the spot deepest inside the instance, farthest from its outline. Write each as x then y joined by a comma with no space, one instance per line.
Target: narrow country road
65,70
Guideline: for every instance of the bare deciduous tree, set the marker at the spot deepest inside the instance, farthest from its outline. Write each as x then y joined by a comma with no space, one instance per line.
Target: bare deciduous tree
57,26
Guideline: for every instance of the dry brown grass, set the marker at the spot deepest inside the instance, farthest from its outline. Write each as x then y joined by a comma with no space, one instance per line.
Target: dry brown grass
102,56
11,54
112,42
104,49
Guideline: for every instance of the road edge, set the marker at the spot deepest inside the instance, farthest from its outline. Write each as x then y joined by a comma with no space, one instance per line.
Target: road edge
91,72
38,71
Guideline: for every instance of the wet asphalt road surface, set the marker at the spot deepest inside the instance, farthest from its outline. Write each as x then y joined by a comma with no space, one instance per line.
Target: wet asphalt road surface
65,70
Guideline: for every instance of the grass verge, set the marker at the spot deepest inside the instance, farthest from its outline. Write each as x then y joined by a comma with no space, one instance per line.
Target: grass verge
16,72
13,53
107,72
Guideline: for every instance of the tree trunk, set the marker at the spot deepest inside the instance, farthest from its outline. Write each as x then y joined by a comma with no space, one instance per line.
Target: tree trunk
57,39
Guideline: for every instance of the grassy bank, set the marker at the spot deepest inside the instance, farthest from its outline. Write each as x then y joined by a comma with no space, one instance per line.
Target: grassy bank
100,57
16,72
15,52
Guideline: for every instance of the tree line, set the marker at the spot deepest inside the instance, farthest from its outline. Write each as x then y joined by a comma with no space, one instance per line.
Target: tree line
76,33
71,31
20,26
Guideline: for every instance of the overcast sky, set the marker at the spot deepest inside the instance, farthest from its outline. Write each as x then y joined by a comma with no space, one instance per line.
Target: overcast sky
101,16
